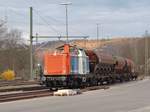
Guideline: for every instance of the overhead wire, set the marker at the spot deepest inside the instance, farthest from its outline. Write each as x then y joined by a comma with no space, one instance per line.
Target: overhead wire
39,15
44,20
51,18
58,21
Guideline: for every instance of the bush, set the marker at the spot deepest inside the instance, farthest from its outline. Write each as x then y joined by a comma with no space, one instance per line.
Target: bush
8,75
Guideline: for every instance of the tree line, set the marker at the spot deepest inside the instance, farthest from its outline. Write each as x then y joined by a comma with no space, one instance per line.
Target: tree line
14,53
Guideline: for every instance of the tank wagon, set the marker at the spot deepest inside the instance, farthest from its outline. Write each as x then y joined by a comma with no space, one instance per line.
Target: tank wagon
71,67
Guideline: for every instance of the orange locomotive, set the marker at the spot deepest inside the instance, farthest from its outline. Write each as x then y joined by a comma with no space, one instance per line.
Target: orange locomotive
57,63
68,67
74,67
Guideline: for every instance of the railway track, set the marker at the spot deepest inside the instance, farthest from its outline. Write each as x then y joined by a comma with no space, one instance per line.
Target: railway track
38,93
16,83
33,92
22,88
25,95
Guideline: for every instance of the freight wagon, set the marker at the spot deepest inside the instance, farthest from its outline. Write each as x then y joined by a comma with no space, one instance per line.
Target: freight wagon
72,67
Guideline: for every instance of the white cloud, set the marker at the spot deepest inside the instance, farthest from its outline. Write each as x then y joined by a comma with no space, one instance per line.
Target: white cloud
119,18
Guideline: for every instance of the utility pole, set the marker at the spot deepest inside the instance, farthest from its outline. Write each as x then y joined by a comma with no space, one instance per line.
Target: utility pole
31,41
97,35
146,53
66,6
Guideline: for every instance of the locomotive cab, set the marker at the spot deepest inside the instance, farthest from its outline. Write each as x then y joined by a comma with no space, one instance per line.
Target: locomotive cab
67,66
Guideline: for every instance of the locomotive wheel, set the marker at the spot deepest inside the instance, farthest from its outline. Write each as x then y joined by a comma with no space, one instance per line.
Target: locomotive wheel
87,82
75,84
47,84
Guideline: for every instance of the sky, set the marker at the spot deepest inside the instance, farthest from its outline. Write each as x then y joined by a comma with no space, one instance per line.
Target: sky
116,18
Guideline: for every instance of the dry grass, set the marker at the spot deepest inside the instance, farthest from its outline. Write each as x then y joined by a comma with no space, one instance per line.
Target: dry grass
91,44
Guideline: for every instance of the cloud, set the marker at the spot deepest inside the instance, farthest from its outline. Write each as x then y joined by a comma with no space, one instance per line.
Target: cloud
118,17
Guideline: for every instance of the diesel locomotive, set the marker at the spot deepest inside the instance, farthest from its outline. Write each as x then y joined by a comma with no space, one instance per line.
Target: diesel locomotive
71,66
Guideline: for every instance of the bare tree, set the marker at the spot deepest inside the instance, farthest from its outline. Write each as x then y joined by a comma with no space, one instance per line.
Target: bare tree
14,54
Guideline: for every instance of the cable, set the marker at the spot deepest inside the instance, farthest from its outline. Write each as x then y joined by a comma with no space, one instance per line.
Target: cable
44,20
58,21
35,3
53,19
64,24
17,13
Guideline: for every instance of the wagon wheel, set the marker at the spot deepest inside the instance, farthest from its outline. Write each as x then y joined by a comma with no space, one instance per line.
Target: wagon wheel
97,70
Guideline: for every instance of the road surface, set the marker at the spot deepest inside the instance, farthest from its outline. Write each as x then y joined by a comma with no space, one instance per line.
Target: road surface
128,97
